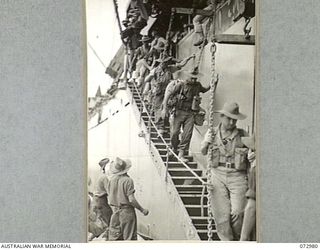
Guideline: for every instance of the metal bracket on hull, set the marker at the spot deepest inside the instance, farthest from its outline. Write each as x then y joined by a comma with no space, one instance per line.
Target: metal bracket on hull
235,39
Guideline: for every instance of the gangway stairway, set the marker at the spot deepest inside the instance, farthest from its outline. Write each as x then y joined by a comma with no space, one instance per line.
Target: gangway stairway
187,185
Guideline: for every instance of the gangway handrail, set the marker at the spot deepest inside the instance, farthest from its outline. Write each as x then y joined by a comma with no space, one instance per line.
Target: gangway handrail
204,184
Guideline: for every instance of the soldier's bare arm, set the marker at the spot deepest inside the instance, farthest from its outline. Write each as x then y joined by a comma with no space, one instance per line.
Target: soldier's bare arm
169,91
205,143
149,77
133,201
183,63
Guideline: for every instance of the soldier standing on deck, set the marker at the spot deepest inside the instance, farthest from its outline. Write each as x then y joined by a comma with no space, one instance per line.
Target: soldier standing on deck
100,204
228,165
123,224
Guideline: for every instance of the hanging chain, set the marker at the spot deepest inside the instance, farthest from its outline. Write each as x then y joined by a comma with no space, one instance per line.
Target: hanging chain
210,215
245,29
203,45
126,63
173,11
213,86
115,4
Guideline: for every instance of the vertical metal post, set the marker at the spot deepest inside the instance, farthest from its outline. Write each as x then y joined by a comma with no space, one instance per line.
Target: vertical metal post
140,120
167,164
254,95
149,130
201,201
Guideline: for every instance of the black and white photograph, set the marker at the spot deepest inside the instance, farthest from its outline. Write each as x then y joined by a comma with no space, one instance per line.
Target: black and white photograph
172,120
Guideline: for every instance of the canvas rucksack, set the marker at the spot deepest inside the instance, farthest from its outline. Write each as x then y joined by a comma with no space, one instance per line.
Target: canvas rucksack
174,98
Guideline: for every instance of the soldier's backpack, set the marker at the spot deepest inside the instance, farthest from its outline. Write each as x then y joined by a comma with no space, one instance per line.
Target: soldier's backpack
199,117
174,98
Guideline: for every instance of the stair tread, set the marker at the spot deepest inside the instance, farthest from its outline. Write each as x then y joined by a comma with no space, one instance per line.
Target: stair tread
190,195
166,137
199,217
190,158
183,169
176,162
166,127
196,206
188,177
205,230
189,192
200,225
156,133
159,144
195,186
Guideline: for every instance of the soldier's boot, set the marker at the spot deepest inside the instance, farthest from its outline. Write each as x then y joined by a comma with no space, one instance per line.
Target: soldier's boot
181,156
170,153
199,39
161,132
105,235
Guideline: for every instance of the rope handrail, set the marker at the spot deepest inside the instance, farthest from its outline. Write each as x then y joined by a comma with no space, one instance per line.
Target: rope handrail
163,140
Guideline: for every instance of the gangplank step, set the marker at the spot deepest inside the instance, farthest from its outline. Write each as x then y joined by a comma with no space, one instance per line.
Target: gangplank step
201,226
193,198
176,164
189,189
174,159
183,172
154,134
185,180
195,206
206,230
166,128
160,145
199,219
188,178
158,140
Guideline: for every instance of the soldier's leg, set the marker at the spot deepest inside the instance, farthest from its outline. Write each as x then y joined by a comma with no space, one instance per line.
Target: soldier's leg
238,186
187,131
221,207
175,129
128,221
198,20
115,227
107,212
249,220
159,122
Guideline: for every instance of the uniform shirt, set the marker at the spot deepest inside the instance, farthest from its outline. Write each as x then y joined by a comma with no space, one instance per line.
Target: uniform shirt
120,187
157,41
101,188
161,78
188,92
226,146
142,51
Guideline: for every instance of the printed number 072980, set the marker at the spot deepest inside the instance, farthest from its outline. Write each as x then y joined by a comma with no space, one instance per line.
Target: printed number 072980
308,245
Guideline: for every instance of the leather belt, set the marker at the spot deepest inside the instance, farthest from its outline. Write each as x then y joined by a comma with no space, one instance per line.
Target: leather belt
122,206
187,109
227,164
